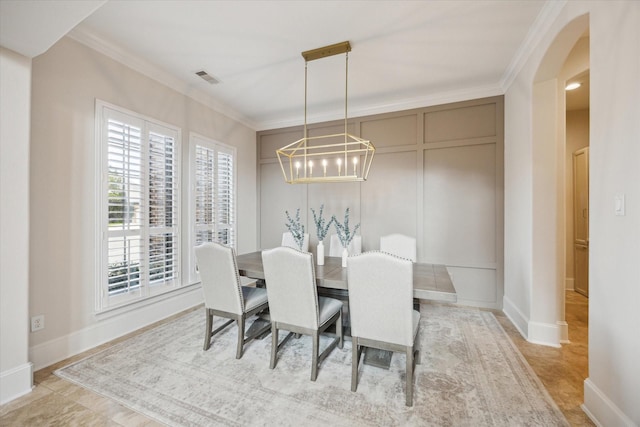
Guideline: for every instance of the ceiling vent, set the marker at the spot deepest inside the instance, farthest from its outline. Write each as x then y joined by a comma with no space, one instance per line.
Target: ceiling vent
208,78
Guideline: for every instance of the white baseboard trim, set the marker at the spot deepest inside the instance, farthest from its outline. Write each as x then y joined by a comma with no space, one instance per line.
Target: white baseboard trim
479,304
563,330
544,334
519,320
534,332
569,283
50,352
16,382
601,410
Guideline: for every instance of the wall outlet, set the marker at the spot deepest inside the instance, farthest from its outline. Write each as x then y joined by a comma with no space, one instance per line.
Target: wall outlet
37,323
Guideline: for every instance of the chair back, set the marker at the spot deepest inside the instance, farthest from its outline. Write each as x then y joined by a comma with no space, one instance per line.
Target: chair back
219,276
291,286
335,248
400,245
381,297
290,242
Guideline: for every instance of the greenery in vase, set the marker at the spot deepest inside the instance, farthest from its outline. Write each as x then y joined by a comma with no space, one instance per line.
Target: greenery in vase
342,229
322,227
296,228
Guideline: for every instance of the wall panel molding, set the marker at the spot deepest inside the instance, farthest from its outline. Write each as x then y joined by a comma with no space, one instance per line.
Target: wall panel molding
437,175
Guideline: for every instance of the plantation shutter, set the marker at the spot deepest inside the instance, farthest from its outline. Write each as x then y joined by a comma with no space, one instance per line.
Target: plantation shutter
225,203
213,203
163,207
140,248
125,200
204,194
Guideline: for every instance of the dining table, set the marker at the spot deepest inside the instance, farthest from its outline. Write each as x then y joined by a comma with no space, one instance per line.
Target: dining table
430,282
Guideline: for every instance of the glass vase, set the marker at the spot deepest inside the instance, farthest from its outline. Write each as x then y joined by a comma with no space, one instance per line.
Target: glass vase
345,255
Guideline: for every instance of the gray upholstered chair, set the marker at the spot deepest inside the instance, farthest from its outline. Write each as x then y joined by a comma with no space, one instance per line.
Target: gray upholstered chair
335,247
381,310
290,242
224,294
400,245
294,304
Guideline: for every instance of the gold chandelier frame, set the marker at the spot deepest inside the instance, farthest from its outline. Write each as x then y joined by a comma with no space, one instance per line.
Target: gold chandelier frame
340,157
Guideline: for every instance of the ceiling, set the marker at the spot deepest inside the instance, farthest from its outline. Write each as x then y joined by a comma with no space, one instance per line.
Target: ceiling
578,99
405,54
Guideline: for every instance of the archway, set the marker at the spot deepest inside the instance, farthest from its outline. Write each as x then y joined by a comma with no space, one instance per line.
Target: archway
548,181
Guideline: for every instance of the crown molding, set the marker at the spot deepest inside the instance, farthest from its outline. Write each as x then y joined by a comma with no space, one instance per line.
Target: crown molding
537,31
446,97
152,71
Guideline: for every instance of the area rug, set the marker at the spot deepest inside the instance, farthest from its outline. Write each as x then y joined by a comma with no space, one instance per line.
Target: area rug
471,375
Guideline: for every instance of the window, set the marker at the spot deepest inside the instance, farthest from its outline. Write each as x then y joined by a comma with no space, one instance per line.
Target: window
139,202
213,212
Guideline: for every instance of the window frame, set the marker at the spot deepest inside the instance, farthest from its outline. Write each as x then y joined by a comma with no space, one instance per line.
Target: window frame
147,289
195,140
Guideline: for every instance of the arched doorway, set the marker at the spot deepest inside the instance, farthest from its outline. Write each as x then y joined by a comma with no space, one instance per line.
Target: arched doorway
548,181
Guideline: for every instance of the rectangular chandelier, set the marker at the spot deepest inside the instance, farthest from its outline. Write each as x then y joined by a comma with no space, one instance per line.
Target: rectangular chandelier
341,157
317,159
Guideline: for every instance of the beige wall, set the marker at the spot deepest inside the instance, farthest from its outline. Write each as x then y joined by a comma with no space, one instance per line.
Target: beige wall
436,176
15,90
67,80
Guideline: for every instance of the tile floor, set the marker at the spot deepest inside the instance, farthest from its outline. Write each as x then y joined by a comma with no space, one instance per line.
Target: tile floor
55,402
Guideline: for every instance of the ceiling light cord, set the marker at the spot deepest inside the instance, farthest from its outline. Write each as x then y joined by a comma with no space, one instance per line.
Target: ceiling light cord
346,91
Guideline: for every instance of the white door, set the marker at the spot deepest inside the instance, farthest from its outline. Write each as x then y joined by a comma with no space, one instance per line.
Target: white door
581,220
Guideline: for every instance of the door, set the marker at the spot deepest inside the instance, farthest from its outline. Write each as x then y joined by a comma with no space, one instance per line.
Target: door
581,220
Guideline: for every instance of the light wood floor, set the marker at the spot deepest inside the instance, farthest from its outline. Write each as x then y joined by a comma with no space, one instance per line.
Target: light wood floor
55,402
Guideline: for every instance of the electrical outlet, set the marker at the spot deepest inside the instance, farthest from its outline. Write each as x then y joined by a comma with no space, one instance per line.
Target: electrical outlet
37,323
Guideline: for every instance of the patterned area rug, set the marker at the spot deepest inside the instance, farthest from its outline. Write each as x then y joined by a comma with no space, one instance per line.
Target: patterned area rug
471,375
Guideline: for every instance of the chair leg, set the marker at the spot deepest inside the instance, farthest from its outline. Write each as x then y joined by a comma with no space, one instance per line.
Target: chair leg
355,360
340,331
409,384
240,322
274,345
417,353
207,330
314,362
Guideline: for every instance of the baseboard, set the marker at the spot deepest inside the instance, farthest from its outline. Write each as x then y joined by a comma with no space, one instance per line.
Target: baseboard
563,331
519,320
50,352
534,332
479,304
569,283
544,334
16,382
601,410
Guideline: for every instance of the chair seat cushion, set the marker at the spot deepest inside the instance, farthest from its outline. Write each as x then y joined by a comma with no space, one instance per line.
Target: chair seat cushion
253,297
327,307
247,281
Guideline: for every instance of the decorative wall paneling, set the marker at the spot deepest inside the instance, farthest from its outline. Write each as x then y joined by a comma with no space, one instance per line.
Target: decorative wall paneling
437,175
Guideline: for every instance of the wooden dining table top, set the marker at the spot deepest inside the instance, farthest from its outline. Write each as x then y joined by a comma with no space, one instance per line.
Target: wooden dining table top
430,281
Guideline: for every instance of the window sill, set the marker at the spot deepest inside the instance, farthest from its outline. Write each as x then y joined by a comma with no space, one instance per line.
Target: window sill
110,312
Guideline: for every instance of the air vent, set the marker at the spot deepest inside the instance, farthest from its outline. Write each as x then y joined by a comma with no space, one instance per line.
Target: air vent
205,76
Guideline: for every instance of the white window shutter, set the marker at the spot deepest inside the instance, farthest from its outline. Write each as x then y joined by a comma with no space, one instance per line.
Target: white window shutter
139,255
